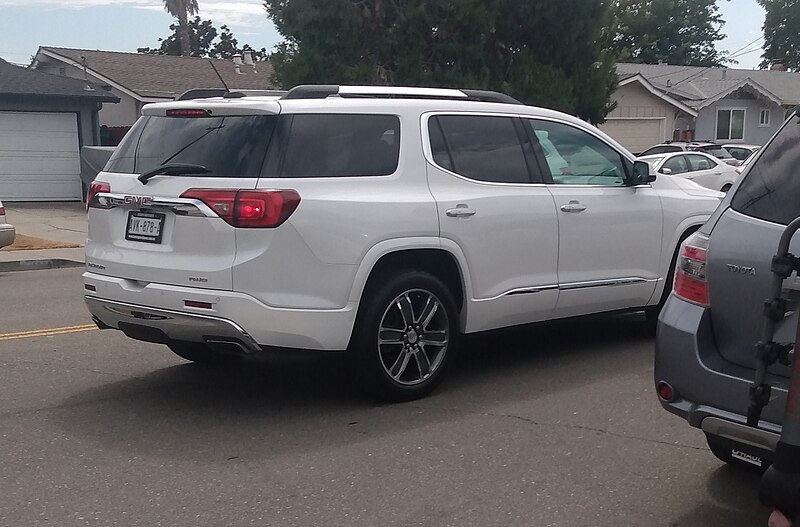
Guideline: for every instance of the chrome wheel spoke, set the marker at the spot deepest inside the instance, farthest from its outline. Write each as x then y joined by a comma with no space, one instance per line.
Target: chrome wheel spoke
434,338
431,307
406,310
391,336
423,363
399,367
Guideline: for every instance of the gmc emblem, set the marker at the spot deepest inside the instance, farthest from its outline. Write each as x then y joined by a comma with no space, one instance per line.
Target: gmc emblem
137,201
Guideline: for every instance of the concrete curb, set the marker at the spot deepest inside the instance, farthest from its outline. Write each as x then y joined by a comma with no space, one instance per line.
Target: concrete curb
38,265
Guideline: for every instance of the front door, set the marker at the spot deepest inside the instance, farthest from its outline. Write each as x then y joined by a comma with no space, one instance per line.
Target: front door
610,233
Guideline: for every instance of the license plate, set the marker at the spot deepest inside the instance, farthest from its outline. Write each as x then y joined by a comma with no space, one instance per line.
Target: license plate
145,227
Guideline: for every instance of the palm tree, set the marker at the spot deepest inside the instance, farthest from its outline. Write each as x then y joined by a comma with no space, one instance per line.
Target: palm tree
181,9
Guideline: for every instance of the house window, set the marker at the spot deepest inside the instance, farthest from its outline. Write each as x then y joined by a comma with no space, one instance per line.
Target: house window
730,124
763,117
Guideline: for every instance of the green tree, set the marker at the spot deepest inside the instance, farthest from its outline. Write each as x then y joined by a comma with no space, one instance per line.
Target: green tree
531,50
680,32
181,9
204,41
781,33
201,35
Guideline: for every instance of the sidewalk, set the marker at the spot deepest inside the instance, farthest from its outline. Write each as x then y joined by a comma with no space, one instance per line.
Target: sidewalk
61,223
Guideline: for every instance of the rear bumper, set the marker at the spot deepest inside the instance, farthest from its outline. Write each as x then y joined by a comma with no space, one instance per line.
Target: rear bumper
161,325
146,310
7,234
710,392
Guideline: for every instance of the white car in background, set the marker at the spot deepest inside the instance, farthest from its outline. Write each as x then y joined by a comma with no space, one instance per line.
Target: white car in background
702,168
7,232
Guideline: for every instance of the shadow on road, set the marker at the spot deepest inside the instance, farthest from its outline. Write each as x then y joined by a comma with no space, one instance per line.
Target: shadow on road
732,501
188,410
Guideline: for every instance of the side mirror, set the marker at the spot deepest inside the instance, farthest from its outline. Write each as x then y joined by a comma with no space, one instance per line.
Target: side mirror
666,171
642,174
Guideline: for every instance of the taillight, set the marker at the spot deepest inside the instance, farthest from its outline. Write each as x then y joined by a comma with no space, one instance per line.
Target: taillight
248,208
691,280
94,189
2,210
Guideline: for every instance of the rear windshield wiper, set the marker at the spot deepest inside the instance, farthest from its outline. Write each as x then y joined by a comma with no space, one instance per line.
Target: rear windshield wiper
172,169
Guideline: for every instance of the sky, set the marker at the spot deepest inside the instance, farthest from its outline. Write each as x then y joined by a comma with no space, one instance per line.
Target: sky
124,25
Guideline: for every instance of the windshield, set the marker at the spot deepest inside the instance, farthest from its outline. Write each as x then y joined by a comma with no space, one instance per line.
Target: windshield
716,151
652,161
227,146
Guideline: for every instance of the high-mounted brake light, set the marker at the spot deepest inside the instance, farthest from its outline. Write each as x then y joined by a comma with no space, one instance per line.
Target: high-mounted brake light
94,189
691,279
248,208
187,112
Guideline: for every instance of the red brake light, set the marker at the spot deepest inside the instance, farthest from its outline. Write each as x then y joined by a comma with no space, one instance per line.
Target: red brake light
248,208
94,189
2,210
188,113
691,280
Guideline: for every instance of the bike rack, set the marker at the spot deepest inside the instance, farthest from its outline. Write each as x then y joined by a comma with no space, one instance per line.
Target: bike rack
780,485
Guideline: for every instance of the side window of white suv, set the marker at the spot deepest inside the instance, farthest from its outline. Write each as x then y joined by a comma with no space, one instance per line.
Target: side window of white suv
575,157
480,147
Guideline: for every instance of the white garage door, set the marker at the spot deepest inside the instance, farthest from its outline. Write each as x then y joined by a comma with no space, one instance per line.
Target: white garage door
39,156
636,135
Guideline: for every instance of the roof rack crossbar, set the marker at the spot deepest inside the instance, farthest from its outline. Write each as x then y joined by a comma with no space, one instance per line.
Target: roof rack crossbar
322,91
205,93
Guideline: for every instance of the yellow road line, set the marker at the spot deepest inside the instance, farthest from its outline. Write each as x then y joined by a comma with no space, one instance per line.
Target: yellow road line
47,332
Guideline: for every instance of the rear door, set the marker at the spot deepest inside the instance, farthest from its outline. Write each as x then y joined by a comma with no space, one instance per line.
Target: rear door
150,231
742,245
494,207
610,233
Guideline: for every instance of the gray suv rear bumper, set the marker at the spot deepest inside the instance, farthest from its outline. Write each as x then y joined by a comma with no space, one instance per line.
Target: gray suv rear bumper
710,392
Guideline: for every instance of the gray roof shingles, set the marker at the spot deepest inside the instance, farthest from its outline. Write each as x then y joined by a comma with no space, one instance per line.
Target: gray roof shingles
18,81
166,76
713,81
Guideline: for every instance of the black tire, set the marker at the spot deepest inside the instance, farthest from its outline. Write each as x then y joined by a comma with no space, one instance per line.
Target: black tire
202,354
723,450
394,370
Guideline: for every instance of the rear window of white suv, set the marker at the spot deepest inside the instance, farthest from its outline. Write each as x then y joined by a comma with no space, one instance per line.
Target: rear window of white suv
340,145
771,188
230,146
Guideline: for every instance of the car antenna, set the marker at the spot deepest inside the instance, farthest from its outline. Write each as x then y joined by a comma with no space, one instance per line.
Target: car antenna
227,90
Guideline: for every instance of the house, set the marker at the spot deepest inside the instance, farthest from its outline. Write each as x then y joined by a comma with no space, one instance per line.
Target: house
657,102
138,78
44,121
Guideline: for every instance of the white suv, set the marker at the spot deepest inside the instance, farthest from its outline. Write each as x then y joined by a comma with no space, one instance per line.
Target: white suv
383,221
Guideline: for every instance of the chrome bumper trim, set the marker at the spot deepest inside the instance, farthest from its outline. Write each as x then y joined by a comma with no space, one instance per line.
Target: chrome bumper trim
738,432
189,327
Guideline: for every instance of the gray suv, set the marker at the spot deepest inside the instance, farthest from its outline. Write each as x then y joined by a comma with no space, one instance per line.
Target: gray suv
707,331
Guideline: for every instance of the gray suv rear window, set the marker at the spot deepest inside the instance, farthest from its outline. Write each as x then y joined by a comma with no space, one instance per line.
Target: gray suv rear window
772,186
228,146
341,145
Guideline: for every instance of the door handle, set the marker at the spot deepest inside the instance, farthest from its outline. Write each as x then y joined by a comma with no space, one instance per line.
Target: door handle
461,211
573,206
717,173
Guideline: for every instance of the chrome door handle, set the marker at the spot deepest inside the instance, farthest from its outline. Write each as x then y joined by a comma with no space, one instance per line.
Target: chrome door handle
573,206
461,211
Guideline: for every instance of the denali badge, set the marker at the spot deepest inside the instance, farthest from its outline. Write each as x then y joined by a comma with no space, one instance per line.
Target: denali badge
137,201
740,269
747,458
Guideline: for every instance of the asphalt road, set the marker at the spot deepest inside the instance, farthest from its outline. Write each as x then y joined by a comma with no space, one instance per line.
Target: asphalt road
555,425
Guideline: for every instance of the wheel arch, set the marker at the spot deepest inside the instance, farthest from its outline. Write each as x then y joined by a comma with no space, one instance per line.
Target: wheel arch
444,260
